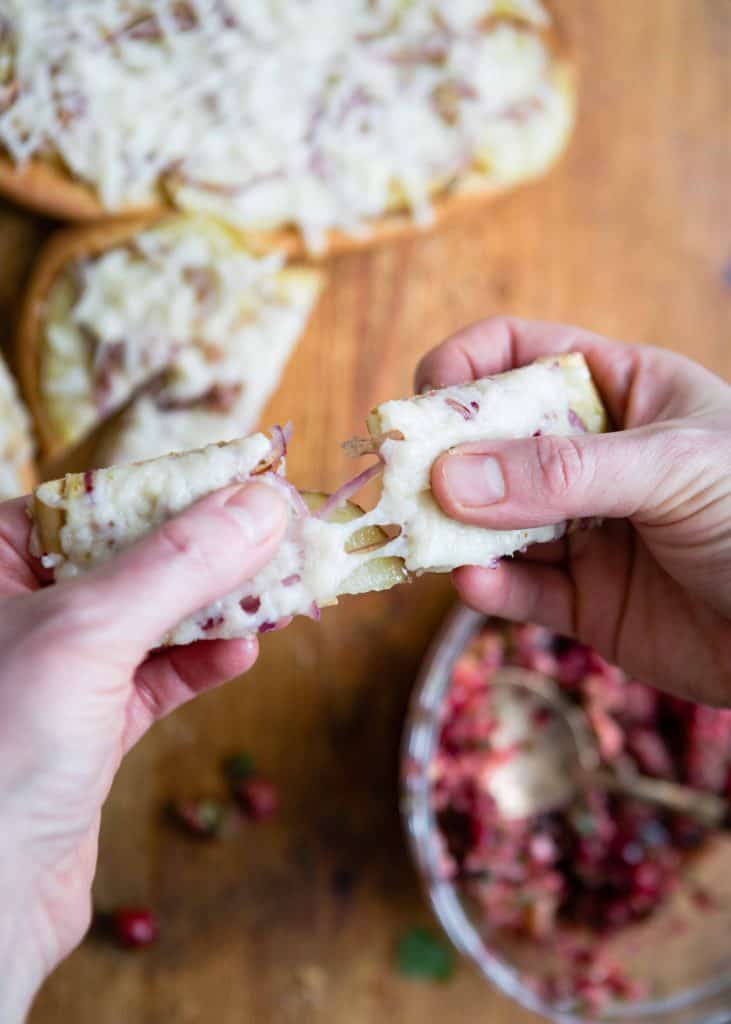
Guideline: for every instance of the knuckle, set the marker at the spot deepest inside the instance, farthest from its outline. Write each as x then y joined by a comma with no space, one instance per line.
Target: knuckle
177,541
561,464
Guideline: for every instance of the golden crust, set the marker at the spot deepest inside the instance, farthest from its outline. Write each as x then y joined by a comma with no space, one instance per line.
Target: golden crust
47,522
28,477
49,189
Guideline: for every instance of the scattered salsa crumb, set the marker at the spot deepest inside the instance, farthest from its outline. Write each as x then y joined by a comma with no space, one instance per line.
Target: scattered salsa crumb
202,818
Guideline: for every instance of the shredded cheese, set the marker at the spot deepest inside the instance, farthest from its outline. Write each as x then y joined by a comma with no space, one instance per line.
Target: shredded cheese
185,310
267,113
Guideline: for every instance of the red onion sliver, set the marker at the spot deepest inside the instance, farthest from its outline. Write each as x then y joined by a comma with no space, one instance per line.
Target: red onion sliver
465,412
289,581
343,493
295,498
280,439
576,421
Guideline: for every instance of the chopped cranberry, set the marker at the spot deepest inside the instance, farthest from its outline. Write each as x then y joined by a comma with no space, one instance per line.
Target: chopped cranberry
603,863
134,927
703,899
211,622
542,716
651,753
608,733
267,627
572,665
201,818
89,481
250,604
258,799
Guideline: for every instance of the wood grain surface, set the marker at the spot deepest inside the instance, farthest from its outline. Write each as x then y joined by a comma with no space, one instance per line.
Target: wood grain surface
296,920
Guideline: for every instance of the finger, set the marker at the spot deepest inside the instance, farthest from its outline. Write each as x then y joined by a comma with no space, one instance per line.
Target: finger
200,555
520,591
542,480
173,677
18,571
638,382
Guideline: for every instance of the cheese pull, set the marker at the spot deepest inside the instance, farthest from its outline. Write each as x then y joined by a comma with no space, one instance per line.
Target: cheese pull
332,546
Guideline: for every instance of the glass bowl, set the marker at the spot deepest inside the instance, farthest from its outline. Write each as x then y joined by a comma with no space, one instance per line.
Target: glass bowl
681,954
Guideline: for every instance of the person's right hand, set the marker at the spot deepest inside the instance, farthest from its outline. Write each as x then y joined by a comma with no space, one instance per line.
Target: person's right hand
651,588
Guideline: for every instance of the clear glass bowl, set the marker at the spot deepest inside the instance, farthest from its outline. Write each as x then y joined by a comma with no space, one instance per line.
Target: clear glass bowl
682,954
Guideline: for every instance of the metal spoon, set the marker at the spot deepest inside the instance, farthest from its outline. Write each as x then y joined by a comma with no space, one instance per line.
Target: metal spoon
557,755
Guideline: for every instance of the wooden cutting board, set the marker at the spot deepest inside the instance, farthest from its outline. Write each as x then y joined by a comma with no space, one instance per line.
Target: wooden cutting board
296,920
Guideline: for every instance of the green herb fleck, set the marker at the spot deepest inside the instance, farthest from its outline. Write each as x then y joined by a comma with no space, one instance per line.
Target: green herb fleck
583,822
421,954
238,768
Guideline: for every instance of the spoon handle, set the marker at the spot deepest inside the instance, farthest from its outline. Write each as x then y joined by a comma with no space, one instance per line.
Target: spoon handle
706,808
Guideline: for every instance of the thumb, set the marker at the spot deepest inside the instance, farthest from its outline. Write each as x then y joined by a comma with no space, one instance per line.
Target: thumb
542,480
200,555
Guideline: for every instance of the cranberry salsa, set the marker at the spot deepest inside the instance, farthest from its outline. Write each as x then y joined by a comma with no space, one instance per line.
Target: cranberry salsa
599,864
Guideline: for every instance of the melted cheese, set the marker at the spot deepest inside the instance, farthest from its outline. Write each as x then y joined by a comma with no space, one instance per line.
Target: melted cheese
106,511
15,444
266,113
555,396
183,298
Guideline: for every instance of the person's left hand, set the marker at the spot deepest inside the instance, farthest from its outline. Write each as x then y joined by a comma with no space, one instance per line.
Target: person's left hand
78,689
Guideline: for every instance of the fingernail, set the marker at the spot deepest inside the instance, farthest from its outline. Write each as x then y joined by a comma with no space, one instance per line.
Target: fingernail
473,480
259,510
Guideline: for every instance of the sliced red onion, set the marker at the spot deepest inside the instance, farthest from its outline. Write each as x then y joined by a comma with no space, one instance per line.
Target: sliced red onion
576,422
219,188
289,581
280,439
343,493
466,412
295,498
314,612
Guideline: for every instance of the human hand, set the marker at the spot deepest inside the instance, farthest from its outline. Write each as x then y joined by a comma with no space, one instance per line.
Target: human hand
651,588
78,689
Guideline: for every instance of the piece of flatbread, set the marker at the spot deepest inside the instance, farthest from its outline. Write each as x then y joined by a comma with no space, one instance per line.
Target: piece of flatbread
178,314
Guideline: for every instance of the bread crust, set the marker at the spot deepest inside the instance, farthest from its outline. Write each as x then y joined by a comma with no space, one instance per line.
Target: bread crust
28,477
49,189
